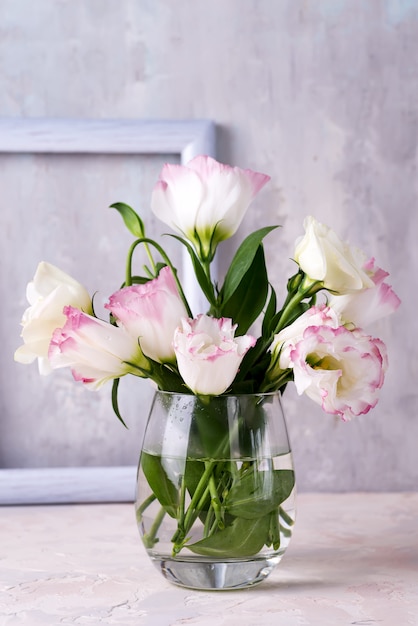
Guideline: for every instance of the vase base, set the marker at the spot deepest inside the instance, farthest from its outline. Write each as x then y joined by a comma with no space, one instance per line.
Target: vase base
216,575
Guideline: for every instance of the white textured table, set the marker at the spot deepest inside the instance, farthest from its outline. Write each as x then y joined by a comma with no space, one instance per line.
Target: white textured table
353,560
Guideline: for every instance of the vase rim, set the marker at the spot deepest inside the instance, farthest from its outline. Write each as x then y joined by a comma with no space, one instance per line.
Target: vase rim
224,395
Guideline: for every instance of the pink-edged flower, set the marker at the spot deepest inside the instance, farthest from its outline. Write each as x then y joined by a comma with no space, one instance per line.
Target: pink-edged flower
323,257
151,313
48,293
287,338
339,369
367,306
94,350
205,200
208,354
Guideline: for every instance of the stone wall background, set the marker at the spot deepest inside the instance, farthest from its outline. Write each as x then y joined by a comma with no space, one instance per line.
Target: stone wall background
321,95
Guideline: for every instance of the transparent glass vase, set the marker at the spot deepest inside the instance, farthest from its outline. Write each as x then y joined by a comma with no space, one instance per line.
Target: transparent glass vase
215,500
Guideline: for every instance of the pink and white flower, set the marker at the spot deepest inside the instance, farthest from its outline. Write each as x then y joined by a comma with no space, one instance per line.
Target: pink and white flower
205,200
48,293
323,257
151,313
94,350
287,338
365,307
208,354
340,370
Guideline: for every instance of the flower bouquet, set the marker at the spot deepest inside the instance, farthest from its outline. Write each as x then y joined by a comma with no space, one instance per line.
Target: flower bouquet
204,361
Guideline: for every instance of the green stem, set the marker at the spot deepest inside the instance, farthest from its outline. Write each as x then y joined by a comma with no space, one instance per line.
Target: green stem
201,490
285,517
173,269
287,520
145,241
278,383
208,522
149,538
128,270
305,290
151,260
182,502
205,487
216,503
180,536
214,527
146,503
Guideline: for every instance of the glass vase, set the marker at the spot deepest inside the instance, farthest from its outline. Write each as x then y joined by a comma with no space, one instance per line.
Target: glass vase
215,500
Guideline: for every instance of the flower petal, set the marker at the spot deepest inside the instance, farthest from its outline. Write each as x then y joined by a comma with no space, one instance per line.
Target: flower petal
208,354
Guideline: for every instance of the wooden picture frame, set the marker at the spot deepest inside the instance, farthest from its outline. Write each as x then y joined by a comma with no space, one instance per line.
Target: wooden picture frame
186,138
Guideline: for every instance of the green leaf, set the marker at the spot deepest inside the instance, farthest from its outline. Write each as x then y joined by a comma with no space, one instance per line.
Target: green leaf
242,260
254,356
244,537
248,299
209,435
202,279
160,484
256,493
139,280
132,220
115,404
253,377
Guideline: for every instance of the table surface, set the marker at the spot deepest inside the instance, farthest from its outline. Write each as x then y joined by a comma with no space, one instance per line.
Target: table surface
353,559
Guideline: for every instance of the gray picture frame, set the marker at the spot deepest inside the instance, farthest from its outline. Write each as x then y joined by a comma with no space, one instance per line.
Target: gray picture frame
185,138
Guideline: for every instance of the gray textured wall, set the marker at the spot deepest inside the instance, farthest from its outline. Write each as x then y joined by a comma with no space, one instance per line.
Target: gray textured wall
322,95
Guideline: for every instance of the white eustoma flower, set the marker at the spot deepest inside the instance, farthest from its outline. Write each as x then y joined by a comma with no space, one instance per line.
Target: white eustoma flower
94,350
324,257
205,200
208,354
48,293
151,313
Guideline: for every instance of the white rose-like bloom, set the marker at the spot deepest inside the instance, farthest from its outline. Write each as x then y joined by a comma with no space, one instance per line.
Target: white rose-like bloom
208,354
324,257
362,308
48,293
340,370
205,200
